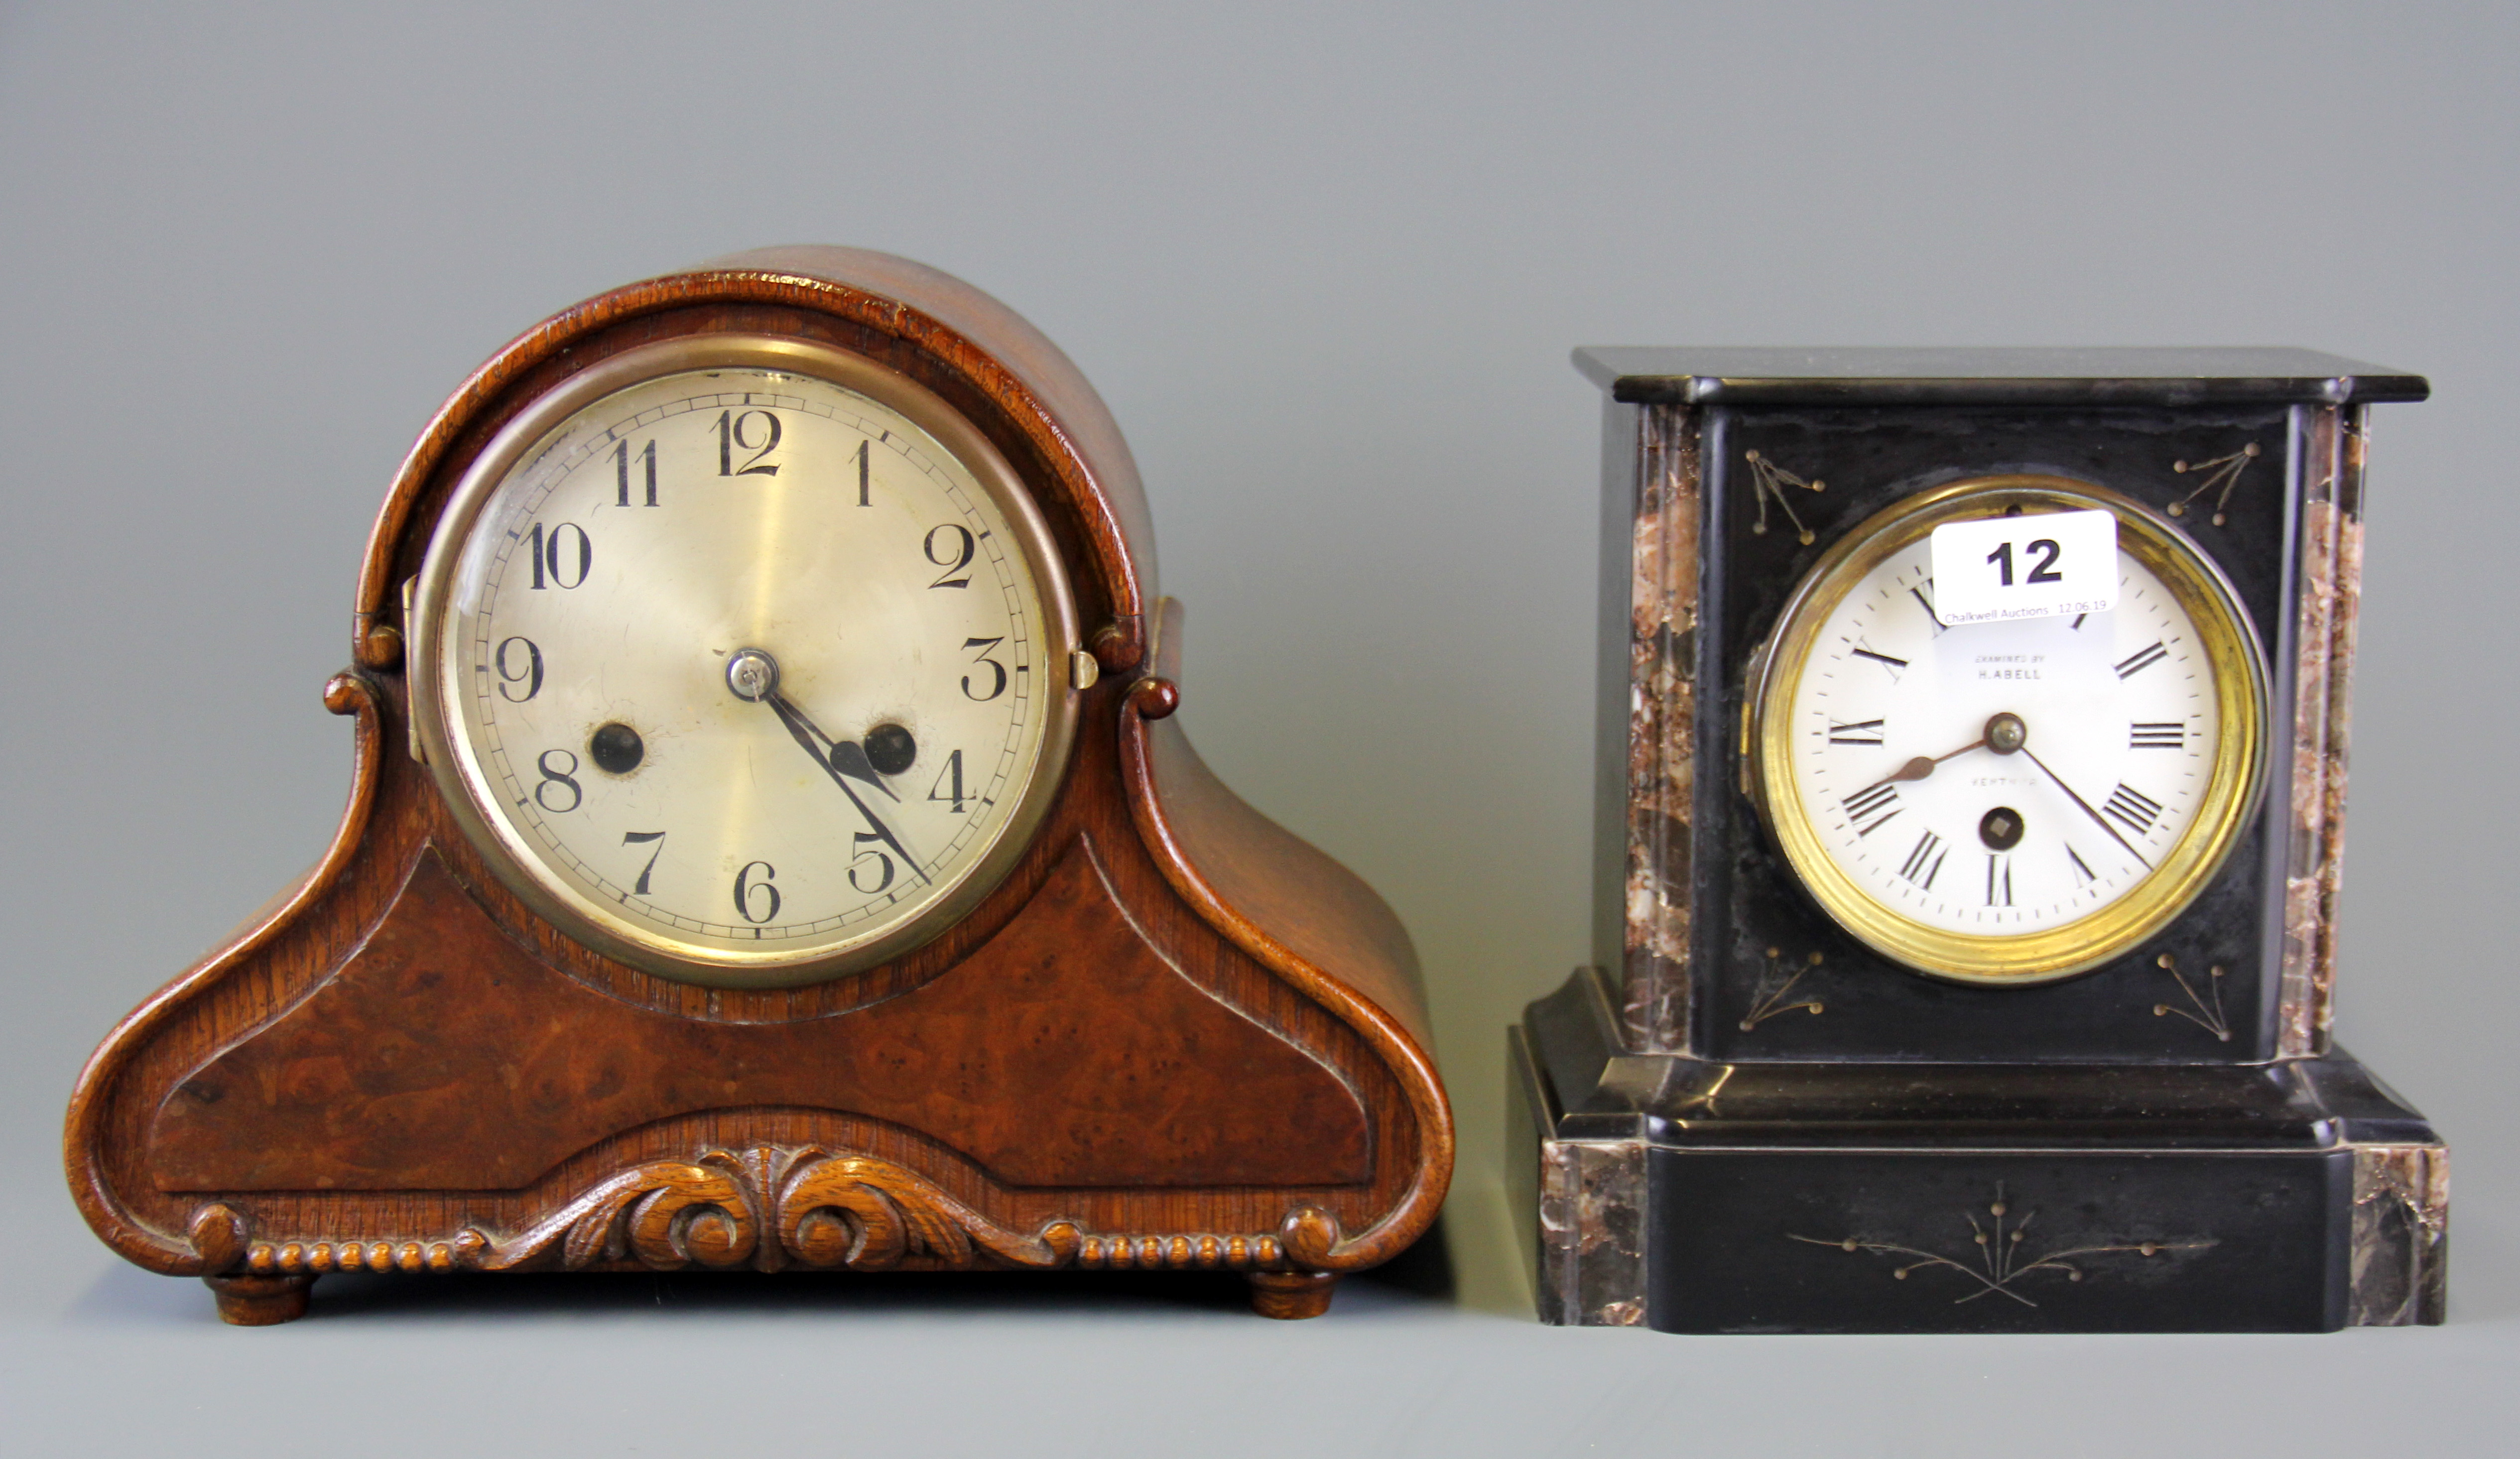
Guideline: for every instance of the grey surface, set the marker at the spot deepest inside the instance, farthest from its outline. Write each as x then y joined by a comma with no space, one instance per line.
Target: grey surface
1327,266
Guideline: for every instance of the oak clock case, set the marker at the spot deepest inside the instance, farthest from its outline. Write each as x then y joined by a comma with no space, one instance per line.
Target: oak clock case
772,846
1940,1000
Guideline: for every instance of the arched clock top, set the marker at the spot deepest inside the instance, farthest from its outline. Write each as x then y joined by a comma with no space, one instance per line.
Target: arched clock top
986,359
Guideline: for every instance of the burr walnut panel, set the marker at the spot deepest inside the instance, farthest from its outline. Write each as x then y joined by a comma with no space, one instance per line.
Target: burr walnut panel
443,1055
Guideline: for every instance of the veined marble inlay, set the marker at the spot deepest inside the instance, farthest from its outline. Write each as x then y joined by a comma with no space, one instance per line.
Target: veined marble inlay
1662,725
2331,596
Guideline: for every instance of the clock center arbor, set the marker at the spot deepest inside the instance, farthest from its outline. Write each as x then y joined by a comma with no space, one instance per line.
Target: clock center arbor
1970,800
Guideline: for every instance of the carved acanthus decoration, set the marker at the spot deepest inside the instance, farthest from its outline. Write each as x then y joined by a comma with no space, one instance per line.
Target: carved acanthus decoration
769,1207
665,1214
865,1214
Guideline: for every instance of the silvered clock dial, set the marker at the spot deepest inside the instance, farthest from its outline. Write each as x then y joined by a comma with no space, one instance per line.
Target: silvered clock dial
745,660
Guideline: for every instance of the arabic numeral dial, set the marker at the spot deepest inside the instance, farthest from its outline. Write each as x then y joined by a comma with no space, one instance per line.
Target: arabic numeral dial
742,668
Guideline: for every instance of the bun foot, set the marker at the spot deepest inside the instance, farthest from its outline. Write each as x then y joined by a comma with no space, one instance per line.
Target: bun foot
1289,1295
261,1300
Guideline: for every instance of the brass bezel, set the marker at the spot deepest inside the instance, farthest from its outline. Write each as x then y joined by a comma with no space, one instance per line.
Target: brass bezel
512,858
2232,793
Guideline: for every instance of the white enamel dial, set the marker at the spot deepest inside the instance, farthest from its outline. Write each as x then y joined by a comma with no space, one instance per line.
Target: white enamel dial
746,673
2119,725
2006,802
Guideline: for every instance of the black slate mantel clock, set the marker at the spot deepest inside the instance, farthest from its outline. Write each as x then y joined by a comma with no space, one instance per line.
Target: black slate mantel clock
1972,751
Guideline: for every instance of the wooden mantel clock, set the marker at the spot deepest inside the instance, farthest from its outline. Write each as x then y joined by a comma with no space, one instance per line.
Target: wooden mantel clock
1970,805
771,846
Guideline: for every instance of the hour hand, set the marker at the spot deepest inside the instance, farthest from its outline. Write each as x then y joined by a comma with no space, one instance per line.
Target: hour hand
806,736
753,675
847,755
849,758
1923,765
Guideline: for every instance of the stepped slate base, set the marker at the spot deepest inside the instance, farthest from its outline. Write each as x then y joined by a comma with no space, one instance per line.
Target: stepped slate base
1691,1196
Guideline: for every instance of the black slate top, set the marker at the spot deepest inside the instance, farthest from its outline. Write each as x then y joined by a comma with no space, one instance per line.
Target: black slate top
1763,376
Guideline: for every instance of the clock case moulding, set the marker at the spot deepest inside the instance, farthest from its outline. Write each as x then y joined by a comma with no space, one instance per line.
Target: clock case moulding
1175,1036
1742,1119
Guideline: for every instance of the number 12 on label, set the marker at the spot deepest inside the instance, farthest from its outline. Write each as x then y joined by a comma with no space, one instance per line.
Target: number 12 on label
2001,568
2045,572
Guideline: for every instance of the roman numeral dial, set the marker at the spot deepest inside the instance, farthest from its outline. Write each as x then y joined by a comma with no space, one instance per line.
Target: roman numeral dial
1870,809
1961,790
1925,861
2142,659
2133,808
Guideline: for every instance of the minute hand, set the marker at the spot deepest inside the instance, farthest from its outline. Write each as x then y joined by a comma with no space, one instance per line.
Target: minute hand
806,737
2087,808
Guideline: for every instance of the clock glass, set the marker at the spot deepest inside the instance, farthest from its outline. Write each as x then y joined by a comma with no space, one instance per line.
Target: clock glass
746,661
2006,801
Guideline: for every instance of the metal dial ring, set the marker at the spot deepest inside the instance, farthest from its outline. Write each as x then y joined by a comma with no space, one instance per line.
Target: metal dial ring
2173,879
948,892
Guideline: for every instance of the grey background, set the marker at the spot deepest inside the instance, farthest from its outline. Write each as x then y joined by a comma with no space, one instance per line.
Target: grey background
1326,263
